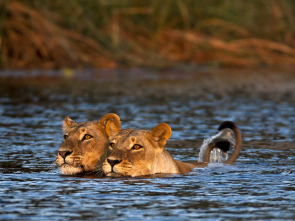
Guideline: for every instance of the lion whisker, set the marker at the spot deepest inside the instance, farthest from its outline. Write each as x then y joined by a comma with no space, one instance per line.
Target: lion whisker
52,166
99,173
74,158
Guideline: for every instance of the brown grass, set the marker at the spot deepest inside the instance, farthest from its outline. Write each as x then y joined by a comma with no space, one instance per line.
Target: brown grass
198,48
30,39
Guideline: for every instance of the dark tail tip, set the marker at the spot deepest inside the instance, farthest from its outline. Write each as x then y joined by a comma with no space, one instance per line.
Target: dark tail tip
227,124
224,145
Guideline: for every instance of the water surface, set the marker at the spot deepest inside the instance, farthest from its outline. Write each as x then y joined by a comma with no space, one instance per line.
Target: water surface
260,186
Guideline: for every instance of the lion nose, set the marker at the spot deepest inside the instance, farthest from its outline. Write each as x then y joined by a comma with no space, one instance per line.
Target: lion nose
114,162
64,154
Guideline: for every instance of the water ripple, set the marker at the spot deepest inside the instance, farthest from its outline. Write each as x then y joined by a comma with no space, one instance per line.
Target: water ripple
260,186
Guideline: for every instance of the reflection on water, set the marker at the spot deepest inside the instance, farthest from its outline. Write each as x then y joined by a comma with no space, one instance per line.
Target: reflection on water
259,186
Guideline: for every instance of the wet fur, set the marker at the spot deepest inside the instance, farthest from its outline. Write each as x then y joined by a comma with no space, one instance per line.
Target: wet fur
85,156
152,158
224,145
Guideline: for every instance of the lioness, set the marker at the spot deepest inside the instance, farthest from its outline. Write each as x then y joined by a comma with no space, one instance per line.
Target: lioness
84,145
140,152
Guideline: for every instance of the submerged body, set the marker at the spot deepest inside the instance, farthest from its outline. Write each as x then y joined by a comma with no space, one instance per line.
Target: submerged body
139,152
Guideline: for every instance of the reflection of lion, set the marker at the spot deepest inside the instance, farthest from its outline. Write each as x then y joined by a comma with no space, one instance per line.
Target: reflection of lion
139,152
84,145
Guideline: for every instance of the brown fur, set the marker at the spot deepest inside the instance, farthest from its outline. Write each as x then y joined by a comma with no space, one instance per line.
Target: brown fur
152,158
232,158
124,160
78,155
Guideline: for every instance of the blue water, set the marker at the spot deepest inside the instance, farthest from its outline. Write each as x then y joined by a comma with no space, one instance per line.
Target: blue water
260,186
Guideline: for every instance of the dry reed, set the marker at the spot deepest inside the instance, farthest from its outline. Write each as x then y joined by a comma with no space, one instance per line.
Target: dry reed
32,41
139,35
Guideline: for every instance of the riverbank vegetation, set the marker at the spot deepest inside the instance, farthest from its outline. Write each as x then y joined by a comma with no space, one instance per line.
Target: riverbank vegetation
118,33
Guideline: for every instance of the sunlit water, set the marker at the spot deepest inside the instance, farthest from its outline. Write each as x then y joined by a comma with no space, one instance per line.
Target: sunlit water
260,186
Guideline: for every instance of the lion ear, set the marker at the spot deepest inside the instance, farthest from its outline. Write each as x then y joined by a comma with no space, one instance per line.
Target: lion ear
161,133
111,124
67,123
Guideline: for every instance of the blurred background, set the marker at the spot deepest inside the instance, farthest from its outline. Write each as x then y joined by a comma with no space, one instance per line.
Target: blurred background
189,63
57,34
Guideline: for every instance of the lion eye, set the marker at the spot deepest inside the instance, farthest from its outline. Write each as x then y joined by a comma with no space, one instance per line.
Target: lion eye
112,145
87,137
65,136
136,147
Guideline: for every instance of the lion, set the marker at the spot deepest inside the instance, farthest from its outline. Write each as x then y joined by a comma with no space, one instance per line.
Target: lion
84,146
139,152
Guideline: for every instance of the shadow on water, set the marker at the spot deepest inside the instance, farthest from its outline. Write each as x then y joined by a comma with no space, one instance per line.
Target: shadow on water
259,186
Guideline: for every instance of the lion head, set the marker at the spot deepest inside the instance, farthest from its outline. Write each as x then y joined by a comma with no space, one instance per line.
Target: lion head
84,146
138,152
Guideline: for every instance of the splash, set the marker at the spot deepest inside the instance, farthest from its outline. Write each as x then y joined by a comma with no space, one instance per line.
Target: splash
218,155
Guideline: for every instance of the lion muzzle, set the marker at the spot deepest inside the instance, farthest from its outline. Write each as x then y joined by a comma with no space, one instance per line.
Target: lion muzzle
113,162
64,154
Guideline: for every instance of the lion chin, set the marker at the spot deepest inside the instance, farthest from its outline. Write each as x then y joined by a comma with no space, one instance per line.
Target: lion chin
139,152
68,169
114,174
84,145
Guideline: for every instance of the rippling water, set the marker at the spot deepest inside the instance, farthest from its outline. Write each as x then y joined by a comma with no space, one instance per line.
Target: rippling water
260,186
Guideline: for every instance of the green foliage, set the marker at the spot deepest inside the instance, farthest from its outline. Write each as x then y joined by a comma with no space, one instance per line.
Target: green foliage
263,18
134,30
